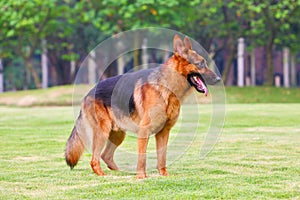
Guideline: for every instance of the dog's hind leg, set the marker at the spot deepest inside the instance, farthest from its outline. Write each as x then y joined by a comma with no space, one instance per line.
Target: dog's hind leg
100,125
98,144
114,140
101,135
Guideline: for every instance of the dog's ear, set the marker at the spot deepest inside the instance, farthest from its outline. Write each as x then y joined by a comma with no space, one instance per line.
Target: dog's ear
178,45
187,43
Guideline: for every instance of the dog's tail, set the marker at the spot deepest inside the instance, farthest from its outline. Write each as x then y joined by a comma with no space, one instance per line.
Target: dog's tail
74,148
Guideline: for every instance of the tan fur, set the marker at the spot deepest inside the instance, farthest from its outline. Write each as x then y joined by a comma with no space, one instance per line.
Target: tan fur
157,106
74,149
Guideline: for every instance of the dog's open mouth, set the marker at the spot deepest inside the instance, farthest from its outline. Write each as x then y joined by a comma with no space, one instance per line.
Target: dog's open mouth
197,81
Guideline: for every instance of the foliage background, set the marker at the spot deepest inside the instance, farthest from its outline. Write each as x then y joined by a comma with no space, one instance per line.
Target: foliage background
72,28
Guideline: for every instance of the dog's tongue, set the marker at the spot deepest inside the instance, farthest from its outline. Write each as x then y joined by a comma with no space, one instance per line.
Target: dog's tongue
202,86
205,91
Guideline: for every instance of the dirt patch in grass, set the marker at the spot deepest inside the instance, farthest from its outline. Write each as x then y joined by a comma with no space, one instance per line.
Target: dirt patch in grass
27,101
55,96
28,158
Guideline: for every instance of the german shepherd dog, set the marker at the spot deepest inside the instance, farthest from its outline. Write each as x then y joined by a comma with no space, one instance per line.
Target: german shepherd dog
146,102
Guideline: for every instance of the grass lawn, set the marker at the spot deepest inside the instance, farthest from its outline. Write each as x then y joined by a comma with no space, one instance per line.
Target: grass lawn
257,157
63,96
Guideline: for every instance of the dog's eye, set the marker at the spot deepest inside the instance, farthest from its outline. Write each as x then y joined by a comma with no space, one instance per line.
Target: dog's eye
201,64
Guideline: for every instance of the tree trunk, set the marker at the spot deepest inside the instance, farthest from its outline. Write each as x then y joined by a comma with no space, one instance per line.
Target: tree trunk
293,70
229,60
253,73
33,72
1,77
270,67
269,57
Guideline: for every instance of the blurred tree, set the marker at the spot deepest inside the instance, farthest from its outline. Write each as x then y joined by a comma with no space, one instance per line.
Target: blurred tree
23,25
231,30
15,74
73,27
114,16
268,21
288,37
76,35
289,32
217,25
203,22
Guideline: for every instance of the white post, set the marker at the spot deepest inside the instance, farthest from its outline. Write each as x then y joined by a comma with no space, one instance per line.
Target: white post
241,47
286,74
121,64
248,81
253,78
44,63
72,69
293,70
92,67
277,81
145,56
121,59
1,77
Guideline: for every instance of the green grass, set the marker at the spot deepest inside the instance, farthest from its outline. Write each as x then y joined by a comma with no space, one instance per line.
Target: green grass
257,157
63,96
262,95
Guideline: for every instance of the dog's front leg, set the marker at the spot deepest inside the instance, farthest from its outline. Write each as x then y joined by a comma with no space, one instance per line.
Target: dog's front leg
161,149
142,143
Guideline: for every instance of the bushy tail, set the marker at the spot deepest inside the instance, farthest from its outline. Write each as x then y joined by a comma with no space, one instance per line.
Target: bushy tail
74,149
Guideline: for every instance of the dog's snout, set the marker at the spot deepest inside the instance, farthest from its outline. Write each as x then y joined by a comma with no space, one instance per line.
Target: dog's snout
218,79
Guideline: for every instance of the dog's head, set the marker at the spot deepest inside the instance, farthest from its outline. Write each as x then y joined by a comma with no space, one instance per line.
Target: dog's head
193,66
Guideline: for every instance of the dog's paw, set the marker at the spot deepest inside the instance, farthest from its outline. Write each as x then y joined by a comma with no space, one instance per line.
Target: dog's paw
163,172
141,175
96,168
